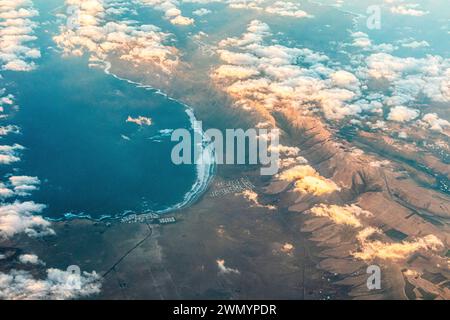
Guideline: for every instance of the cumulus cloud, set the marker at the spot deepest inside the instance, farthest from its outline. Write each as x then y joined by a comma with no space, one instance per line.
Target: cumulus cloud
201,12
308,180
383,65
346,80
402,114
6,130
408,10
236,58
87,31
5,192
410,77
264,78
6,99
287,9
287,248
171,11
24,185
361,40
252,196
315,185
19,186
21,217
433,122
256,31
283,150
279,8
416,44
18,181
283,8
224,269
16,33
140,121
245,4
369,247
236,72
30,259
297,172
287,162
346,215
57,285
372,249
9,154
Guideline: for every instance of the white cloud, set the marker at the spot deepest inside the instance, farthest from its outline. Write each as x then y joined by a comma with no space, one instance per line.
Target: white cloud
283,8
287,9
265,77
287,248
16,32
18,181
224,269
346,215
346,80
408,10
416,44
280,8
201,12
30,259
362,40
315,185
409,77
6,130
24,185
256,31
19,186
245,4
402,114
237,57
8,154
5,192
21,217
308,180
432,121
86,31
57,285
171,11
375,249
140,121
252,196
6,99
236,72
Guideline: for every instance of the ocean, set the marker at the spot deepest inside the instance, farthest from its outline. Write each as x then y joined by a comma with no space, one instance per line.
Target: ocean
90,160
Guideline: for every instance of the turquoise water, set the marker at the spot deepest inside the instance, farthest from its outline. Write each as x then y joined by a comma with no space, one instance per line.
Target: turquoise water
89,159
